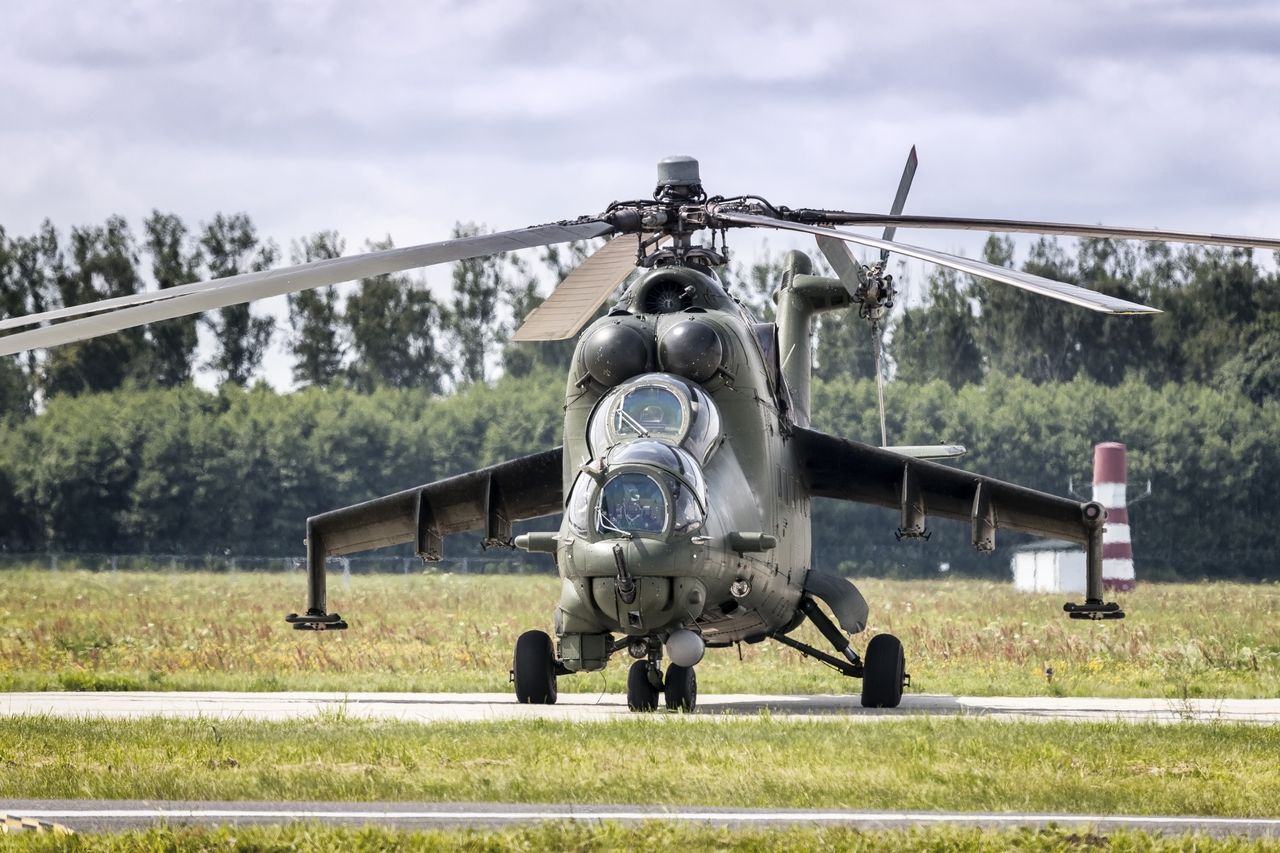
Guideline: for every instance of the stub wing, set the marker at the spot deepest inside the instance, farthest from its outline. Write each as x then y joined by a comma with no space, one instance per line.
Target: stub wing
488,499
848,470
837,468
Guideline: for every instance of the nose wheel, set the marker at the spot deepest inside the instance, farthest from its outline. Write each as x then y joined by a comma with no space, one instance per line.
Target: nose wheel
642,691
646,687
681,688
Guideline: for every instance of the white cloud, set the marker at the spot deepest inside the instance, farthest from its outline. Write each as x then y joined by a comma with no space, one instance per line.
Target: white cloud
400,117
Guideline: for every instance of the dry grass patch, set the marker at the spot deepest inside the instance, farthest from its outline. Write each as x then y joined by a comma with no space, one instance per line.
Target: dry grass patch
439,632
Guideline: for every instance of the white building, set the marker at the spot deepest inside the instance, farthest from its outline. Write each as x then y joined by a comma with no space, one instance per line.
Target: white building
1049,566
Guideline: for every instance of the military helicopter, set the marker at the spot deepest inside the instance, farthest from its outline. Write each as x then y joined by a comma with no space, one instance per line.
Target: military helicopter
689,463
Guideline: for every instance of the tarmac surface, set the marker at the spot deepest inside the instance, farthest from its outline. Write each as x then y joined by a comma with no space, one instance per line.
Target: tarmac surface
97,815
578,707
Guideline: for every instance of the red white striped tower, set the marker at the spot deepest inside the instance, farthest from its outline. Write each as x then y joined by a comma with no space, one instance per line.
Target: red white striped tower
1109,473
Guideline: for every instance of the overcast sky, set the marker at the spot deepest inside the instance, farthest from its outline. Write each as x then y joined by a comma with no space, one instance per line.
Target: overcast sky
398,118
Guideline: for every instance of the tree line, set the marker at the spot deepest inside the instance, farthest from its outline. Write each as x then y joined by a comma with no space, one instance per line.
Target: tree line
238,471
390,331
127,455
1220,322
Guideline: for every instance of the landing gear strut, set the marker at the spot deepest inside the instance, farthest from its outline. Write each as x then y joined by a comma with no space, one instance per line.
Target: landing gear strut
883,673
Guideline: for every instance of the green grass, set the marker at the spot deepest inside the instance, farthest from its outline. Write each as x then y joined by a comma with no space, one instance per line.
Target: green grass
579,838
927,764
194,631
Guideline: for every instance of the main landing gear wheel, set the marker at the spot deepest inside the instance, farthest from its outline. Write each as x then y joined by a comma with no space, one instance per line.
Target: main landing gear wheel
642,695
534,669
681,688
883,672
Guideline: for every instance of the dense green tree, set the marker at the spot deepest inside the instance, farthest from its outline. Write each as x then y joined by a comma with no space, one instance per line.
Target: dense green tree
15,285
32,268
15,388
1254,367
15,301
240,470
472,321
175,259
1218,305
937,340
1045,340
1111,346
394,324
315,317
103,263
36,264
1024,334
77,466
845,346
231,246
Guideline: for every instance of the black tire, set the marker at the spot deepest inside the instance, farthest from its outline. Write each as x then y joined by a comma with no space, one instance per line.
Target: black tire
883,672
641,694
534,669
681,688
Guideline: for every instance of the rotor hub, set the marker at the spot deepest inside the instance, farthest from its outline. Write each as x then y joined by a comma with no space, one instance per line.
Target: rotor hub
679,179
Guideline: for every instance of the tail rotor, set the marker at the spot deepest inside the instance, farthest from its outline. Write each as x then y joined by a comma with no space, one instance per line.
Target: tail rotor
869,285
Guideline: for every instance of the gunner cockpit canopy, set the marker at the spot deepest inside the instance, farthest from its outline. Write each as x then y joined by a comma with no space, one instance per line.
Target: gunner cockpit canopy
647,488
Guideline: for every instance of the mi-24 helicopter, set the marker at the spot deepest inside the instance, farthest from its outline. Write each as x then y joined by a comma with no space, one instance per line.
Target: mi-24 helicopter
688,462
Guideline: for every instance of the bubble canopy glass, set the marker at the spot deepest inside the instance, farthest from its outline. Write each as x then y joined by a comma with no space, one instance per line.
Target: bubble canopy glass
647,488
658,406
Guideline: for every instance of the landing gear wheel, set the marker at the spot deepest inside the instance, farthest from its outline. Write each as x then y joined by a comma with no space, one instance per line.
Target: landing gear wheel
883,673
681,688
534,669
641,694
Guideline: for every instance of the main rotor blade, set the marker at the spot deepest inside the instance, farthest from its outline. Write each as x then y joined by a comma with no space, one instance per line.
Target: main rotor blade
846,266
900,199
207,295
957,223
1036,284
575,299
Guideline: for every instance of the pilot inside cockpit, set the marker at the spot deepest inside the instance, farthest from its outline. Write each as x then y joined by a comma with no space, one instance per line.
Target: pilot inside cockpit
633,503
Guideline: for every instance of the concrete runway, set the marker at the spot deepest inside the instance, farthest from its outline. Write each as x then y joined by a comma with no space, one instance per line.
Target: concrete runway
464,707
91,815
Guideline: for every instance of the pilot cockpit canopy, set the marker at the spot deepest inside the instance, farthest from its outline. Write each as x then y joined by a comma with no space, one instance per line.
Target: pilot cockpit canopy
659,406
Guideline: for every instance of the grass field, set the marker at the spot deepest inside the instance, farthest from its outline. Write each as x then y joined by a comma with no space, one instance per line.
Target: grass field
577,838
433,632
927,764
